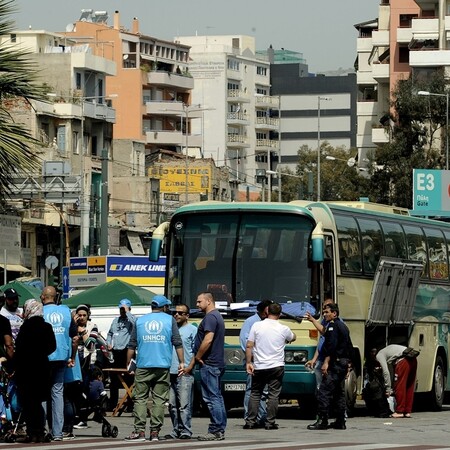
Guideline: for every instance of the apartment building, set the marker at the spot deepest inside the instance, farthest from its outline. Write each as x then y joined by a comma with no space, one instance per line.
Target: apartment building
239,114
313,108
74,128
406,36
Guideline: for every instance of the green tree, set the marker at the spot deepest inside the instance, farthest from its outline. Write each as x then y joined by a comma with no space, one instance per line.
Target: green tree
416,125
339,179
17,82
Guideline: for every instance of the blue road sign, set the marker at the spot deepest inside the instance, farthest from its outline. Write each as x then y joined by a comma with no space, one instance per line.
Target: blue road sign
65,282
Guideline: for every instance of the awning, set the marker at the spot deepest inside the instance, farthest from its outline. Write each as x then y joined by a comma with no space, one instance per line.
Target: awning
15,268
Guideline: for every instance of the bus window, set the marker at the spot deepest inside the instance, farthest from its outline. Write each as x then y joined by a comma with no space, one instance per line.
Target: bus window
349,244
371,243
417,248
394,240
437,254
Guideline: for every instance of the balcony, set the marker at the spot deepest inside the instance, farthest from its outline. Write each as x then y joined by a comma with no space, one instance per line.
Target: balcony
424,30
380,135
447,25
380,38
237,141
380,72
88,61
166,137
429,58
267,123
166,108
404,35
266,144
364,45
237,96
365,78
238,118
99,111
367,108
169,79
267,100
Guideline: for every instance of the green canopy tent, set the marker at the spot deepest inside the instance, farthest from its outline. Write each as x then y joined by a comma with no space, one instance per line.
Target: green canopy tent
26,291
110,294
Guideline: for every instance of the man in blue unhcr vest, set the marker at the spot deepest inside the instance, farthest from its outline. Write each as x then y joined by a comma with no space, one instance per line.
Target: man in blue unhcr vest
60,318
153,336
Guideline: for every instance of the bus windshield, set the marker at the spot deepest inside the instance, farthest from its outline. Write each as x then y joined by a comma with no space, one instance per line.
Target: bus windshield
241,256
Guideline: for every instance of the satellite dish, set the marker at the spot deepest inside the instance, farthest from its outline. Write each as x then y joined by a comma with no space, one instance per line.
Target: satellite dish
125,57
70,27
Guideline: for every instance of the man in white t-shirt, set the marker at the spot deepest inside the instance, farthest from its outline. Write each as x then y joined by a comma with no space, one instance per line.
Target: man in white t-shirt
265,346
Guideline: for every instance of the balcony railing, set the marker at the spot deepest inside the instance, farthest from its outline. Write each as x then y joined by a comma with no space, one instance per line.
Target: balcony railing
266,143
268,122
267,100
237,140
170,79
238,95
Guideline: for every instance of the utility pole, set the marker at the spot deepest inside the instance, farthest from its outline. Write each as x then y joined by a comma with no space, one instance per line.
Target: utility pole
104,205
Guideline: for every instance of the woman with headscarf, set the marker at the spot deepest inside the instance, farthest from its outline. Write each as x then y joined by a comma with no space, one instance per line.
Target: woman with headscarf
34,343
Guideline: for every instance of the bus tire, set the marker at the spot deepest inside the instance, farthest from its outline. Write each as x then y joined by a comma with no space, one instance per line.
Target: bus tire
436,396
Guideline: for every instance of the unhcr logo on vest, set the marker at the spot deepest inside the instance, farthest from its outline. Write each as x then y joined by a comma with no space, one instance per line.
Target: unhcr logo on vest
56,320
154,329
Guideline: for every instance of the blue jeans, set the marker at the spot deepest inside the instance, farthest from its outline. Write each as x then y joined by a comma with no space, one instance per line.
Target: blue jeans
212,395
57,397
181,396
262,411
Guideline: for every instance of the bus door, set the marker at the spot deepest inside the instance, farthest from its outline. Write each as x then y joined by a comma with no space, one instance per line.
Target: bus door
392,302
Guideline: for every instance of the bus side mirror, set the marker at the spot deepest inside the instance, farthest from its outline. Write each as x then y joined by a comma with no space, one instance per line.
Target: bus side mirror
157,239
317,243
155,250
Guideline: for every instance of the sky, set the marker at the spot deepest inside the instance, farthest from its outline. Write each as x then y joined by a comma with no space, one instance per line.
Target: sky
323,30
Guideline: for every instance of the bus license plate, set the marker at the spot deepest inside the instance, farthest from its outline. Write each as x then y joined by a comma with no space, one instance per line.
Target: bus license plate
235,386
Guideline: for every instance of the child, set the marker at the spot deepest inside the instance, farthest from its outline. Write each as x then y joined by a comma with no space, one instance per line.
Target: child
96,386
97,395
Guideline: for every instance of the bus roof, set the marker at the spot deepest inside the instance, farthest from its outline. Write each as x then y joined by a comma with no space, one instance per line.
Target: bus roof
314,210
243,206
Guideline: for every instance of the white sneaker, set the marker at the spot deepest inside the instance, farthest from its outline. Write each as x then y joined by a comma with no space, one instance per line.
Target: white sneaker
81,426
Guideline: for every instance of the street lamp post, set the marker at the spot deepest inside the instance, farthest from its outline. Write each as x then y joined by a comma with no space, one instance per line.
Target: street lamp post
319,99
350,161
446,95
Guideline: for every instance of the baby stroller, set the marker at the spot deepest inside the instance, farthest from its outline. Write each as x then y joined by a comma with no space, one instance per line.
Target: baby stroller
95,404
10,426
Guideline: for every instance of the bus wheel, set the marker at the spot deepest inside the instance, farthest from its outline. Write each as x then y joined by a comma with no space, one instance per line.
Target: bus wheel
436,395
350,391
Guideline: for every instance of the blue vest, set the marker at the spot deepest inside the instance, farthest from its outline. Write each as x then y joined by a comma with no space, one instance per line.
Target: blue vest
154,341
59,317
73,373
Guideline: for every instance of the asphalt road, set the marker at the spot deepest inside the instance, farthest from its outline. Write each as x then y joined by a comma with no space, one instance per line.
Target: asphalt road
425,430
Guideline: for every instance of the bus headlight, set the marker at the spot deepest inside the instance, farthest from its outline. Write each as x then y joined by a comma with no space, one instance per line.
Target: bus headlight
296,356
234,356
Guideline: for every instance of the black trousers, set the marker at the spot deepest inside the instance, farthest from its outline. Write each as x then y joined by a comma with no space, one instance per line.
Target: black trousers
273,378
331,390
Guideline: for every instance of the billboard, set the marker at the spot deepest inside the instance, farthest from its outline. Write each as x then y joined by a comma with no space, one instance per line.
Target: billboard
138,270
431,192
172,179
10,230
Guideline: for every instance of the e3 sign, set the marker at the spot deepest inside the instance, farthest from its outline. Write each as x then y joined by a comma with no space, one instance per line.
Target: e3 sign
431,196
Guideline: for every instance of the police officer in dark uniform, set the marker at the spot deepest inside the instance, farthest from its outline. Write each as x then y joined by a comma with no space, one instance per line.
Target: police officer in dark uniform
337,351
